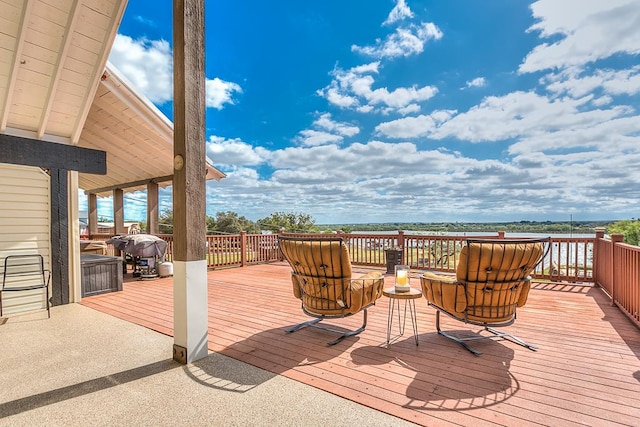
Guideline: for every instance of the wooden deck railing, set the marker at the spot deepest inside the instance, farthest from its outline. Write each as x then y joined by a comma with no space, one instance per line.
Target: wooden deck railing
618,273
569,258
611,264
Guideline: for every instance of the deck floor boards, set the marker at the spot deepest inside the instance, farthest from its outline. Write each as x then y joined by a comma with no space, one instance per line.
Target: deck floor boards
586,371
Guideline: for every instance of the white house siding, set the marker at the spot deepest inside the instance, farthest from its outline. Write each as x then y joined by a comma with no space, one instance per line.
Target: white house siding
24,226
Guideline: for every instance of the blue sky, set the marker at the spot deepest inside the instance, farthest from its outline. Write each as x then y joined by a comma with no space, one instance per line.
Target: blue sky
401,110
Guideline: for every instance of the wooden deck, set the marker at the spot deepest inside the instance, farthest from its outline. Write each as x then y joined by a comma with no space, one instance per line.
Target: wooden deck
586,371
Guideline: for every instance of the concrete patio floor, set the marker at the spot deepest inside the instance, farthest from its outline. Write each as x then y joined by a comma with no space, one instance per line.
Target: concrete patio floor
83,367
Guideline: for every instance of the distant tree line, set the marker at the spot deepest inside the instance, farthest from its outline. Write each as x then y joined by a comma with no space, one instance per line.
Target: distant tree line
489,227
232,223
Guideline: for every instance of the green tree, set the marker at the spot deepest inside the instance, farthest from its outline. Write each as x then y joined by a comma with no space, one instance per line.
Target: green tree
225,222
210,224
165,222
231,222
291,222
630,228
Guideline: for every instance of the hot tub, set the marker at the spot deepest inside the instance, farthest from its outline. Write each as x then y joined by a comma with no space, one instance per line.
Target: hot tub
100,274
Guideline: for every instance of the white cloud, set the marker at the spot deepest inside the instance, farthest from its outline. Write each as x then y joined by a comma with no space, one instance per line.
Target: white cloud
366,182
356,86
148,65
409,109
220,92
589,30
404,42
602,101
312,137
233,152
413,127
477,82
612,82
398,13
365,109
325,121
499,118
334,95
326,131
618,134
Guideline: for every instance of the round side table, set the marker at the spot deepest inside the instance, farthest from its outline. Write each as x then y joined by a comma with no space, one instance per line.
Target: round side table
409,298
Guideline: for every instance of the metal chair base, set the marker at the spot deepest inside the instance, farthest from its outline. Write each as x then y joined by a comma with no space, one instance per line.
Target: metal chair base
314,324
496,334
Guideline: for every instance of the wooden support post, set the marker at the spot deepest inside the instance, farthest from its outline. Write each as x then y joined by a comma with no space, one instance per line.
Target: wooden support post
615,239
243,248
595,272
92,216
73,267
189,185
59,237
118,211
152,208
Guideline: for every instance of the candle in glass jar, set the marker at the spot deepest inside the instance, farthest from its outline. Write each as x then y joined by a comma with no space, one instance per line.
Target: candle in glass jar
401,277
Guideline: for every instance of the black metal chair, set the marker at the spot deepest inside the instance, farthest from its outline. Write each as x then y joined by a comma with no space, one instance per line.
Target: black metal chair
492,280
322,279
25,273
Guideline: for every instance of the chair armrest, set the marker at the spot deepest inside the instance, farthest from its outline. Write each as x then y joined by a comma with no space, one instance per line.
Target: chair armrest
296,286
524,293
444,292
365,290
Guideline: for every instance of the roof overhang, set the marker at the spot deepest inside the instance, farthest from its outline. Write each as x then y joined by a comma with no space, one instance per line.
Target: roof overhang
51,60
136,135
56,86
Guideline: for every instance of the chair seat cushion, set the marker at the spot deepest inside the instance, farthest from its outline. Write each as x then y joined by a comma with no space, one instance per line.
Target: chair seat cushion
360,293
458,300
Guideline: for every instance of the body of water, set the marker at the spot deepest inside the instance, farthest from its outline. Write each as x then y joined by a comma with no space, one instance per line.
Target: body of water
482,234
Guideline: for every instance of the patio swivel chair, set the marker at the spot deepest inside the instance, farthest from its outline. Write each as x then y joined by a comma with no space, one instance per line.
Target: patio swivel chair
323,281
23,273
492,280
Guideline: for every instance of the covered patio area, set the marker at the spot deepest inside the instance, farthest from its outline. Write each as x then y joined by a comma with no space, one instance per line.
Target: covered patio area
128,378
586,371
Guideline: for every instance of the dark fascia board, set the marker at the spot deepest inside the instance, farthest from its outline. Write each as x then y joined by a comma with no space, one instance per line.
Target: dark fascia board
132,184
51,155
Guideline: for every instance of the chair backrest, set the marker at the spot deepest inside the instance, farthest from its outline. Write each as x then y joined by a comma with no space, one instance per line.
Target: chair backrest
320,271
499,260
496,274
318,257
23,271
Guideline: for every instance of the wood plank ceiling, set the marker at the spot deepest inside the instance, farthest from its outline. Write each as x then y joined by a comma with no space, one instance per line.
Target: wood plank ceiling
137,137
52,54
55,85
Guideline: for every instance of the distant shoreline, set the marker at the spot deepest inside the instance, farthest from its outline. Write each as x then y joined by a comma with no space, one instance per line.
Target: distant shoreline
464,228
471,234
